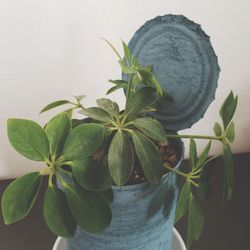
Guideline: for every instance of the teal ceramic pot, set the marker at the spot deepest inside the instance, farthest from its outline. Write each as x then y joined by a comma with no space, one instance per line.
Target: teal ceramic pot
143,218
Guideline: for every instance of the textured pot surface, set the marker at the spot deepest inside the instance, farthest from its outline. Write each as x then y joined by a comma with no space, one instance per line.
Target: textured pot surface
143,218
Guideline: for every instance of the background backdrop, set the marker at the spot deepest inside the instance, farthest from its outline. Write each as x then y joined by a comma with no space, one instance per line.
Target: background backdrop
50,49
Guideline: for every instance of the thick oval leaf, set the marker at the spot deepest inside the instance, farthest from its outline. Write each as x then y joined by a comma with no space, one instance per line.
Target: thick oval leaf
150,128
90,210
217,129
120,158
97,114
57,130
183,202
230,133
28,138
54,104
110,107
229,172
57,213
108,195
83,141
195,221
19,197
91,174
143,98
149,157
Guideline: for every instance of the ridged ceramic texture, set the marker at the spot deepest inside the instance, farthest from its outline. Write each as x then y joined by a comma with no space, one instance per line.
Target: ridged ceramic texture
184,63
143,218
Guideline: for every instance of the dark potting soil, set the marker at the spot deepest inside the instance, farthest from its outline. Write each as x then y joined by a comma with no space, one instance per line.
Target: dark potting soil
169,154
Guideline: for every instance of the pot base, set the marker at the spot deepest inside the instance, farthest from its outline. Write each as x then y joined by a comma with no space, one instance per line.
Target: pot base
177,244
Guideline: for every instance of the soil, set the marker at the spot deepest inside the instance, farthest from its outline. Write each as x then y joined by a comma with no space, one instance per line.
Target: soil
169,154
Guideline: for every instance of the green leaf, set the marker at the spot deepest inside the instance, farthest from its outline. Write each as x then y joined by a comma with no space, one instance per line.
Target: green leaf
69,112
28,138
19,197
57,130
118,82
217,129
192,153
229,172
126,69
113,48
79,97
54,105
195,221
142,99
90,210
149,157
97,114
228,109
110,107
124,86
202,158
135,62
57,213
91,174
150,128
108,195
126,51
183,202
120,158
230,132
83,141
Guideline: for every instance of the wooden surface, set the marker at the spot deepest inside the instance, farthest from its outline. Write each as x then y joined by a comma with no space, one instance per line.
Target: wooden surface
226,228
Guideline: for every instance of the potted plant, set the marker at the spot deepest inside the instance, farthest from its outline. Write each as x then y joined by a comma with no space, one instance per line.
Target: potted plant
113,176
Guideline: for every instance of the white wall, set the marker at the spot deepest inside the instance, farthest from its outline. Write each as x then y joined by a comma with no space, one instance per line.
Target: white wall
50,49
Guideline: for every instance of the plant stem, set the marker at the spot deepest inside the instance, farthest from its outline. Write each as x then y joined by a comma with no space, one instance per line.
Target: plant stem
218,138
175,171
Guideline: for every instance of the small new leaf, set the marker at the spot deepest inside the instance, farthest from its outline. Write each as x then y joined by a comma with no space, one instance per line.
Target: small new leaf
217,129
230,132
54,105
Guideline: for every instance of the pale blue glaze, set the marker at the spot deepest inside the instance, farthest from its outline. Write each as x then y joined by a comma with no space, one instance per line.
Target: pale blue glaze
184,63
143,218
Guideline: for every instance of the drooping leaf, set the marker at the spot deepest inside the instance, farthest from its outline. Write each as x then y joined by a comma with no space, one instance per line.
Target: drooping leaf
150,128
143,98
97,114
183,202
57,213
228,109
124,86
83,141
230,132
192,153
91,174
110,107
149,157
120,158
217,129
118,82
195,221
28,138
202,158
229,171
57,130
54,105
90,210
19,197
108,195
